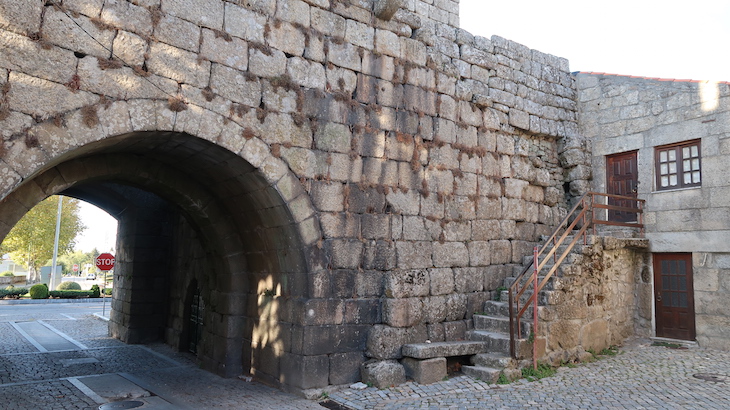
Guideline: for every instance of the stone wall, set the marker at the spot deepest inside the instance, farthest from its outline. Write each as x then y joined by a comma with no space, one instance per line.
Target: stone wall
402,167
619,114
602,297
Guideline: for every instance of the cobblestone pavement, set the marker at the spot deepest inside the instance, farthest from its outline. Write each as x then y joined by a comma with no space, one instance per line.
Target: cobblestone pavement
640,377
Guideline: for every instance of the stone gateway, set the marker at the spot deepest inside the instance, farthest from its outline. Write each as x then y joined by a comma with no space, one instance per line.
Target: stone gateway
302,187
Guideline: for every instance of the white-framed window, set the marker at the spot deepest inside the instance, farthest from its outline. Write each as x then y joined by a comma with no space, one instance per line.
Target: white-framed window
678,165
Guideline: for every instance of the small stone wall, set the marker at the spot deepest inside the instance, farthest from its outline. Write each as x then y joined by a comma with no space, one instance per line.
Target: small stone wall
603,297
12,280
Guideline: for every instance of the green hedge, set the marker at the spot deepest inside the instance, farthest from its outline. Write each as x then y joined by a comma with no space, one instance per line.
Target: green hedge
13,293
69,285
70,294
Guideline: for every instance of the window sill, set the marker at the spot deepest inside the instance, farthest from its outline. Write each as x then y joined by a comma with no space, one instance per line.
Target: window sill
659,191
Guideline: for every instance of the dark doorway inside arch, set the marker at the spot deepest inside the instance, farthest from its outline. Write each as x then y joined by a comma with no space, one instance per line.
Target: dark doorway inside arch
189,212
193,318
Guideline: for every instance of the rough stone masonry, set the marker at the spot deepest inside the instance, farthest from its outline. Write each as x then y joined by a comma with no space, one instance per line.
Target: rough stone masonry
346,183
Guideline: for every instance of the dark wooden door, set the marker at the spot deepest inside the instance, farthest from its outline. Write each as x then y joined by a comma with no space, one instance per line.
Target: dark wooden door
674,296
622,179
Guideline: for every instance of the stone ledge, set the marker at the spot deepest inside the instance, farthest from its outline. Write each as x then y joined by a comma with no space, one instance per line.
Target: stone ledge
443,349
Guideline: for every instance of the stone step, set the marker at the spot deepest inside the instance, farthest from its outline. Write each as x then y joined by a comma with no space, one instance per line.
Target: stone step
495,360
544,297
495,308
443,349
498,324
499,343
495,341
486,374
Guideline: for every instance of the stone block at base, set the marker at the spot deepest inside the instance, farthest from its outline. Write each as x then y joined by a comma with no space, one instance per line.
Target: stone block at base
382,374
425,371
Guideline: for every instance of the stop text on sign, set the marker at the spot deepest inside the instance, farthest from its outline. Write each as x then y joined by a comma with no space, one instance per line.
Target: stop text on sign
105,261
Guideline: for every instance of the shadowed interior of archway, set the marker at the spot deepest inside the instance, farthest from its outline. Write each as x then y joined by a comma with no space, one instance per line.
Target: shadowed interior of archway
188,211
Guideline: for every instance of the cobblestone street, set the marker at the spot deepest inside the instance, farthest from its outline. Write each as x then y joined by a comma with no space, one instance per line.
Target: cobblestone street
640,376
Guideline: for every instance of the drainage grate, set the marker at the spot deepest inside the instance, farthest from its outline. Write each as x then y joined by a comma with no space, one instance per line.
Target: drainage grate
333,405
710,377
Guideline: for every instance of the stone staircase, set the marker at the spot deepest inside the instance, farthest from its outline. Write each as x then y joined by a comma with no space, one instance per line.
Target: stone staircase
488,343
492,325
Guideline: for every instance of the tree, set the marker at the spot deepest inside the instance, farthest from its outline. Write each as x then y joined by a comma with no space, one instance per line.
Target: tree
75,258
30,242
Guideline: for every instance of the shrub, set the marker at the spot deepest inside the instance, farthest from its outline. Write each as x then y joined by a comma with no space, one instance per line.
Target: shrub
95,292
70,294
12,292
7,273
39,291
68,286
108,291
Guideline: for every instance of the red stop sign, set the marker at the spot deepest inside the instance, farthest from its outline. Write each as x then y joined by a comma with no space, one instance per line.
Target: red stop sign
75,268
105,261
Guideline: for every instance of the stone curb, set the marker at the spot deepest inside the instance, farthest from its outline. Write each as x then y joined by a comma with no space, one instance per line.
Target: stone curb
44,301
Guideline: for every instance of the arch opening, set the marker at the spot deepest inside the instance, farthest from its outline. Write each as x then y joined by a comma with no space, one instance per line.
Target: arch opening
191,214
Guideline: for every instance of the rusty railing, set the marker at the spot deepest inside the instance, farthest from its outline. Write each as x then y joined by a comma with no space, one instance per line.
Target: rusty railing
592,209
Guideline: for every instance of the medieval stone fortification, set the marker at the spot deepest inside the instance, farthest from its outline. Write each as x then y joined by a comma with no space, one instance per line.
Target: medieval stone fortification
320,181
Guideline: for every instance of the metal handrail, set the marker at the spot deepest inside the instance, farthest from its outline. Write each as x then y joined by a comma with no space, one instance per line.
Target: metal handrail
583,214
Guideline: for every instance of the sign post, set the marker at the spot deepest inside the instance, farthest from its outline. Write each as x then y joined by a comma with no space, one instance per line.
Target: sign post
105,262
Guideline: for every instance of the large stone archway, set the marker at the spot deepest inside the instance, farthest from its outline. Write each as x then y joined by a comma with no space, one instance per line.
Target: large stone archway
190,210
337,181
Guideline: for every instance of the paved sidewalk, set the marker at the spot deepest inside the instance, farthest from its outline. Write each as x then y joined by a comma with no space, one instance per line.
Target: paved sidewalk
640,377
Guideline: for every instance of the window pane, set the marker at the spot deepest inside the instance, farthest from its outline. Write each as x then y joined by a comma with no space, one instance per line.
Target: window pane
695,164
696,177
682,300
672,180
665,181
663,156
686,164
687,178
672,155
675,299
663,169
682,283
667,299
672,167
695,151
685,152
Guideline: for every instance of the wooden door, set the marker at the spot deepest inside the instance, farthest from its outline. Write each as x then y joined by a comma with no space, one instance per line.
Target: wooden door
622,178
674,296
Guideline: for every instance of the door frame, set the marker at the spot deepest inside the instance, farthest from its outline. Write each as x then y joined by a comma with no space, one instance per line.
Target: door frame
661,292
621,216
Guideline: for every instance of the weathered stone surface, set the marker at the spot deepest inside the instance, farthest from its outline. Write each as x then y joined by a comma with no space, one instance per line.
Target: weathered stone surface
425,371
442,349
407,283
345,367
383,374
